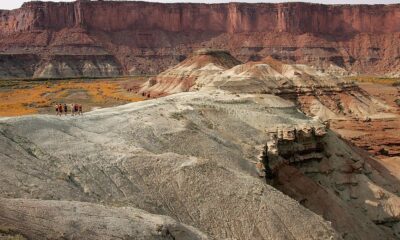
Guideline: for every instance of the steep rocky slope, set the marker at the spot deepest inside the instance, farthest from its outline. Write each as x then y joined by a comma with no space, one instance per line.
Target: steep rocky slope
141,37
195,157
317,92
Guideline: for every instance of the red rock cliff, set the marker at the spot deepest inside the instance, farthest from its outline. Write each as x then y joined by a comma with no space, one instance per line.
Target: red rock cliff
148,37
240,17
231,18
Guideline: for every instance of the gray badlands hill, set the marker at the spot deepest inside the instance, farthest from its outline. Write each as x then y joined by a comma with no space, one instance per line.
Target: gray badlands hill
318,92
194,157
189,156
184,76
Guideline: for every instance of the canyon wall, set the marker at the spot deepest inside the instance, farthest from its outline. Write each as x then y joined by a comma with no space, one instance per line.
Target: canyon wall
149,37
187,17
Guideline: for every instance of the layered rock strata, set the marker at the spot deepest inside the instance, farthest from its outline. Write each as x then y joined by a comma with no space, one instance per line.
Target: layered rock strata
317,92
150,37
308,166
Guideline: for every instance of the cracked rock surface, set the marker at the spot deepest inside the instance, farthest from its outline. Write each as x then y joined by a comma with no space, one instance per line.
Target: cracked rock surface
38,219
190,156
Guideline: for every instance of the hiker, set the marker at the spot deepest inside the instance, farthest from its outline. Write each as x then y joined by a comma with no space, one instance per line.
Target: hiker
57,109
60,109
65,109
80,109
76,108
73,109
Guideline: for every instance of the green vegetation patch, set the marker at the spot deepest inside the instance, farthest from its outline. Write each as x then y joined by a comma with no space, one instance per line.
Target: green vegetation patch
376,79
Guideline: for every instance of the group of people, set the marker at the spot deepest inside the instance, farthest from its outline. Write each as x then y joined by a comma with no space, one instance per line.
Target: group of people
76,109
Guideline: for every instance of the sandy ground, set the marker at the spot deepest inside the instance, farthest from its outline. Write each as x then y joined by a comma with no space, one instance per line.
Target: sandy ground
385,92
392,164
380,137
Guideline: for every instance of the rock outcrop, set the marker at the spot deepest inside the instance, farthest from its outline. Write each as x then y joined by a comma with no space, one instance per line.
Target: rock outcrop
150,37
310,163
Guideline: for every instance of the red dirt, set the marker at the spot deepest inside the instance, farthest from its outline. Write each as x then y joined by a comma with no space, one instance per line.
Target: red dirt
379,136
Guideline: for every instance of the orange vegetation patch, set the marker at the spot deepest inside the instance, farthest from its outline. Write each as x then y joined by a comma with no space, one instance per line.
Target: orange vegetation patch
100,92
20,101
35,97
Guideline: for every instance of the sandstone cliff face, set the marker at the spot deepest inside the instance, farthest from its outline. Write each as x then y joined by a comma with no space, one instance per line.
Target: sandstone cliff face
234,18
187,17
150,37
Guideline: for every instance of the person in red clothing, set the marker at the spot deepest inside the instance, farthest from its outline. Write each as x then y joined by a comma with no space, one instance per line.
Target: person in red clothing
76,108
60,109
